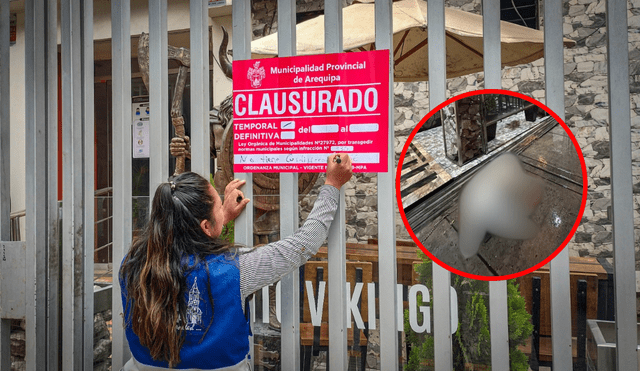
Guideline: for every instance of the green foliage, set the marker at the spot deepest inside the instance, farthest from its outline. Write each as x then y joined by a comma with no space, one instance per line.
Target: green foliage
228,232
472,340
520,327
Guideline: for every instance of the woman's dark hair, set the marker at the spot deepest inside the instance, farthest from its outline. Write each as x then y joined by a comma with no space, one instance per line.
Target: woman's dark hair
154,270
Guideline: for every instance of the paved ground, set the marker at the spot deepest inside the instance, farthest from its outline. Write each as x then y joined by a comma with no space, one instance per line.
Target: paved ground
552,158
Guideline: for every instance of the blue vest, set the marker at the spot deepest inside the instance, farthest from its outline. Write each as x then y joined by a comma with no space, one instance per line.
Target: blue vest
226,342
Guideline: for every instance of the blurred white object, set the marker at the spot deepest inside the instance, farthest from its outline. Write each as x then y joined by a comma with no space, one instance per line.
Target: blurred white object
499,199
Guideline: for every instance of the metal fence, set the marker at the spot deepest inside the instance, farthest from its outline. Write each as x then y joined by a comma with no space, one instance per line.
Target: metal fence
59,278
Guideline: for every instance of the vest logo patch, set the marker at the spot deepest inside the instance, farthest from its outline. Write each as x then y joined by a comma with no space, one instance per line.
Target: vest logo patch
194,313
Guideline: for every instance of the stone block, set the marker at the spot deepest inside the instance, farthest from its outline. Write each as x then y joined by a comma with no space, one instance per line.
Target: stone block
596,39
539,95
601,134
398,88
567,28
529,86
602,237
594,82
581,237
585,66
18,344
600,67
605,172
18,364
596,7
576,10
471,79
469,7
511,73
569,67
526,74
583,20
585,109
507,83
600,114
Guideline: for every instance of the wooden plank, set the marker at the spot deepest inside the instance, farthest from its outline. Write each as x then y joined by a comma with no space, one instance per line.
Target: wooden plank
306,335
420,174
374,241
405,256
578,264
545,306
546,350
310,270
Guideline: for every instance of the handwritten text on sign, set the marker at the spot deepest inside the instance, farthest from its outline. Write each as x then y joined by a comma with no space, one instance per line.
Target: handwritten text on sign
289,114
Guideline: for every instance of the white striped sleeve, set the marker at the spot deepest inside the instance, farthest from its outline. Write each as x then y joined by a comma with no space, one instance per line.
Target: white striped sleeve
267,264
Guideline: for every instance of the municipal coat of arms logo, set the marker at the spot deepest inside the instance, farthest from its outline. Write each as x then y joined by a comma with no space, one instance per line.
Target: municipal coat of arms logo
255,75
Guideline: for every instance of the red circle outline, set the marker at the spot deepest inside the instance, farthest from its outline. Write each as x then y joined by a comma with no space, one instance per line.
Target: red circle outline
584,184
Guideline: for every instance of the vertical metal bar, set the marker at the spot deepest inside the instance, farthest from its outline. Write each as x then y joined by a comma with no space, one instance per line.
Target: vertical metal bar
67,203
441,277
121,92
74,203
79,202
158,95
5,117
290,329
499,325
581,324
5,175
199,36
241,18
290,342
559,275
621,184
535,321
337,241
36,178
54,303
497,289
88,172
5,344
387,265
491,43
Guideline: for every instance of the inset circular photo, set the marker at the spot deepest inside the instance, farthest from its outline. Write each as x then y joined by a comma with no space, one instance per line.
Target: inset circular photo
491,184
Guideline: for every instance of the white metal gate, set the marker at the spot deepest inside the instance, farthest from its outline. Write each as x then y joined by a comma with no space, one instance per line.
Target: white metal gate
54,290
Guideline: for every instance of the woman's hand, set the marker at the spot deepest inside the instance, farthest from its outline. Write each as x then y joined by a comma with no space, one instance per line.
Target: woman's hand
339,170
234,201
180,147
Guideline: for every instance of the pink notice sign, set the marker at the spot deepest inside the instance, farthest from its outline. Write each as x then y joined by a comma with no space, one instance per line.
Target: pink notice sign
289,114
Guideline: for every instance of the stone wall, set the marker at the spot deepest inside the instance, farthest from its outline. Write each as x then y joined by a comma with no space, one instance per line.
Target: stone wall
586,114
586,108
18,345
101,343
264,14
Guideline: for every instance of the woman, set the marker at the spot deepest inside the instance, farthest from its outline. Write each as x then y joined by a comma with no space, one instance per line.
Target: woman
183,290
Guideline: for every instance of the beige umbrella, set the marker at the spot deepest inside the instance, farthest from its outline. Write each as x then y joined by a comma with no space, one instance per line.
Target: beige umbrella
463,39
